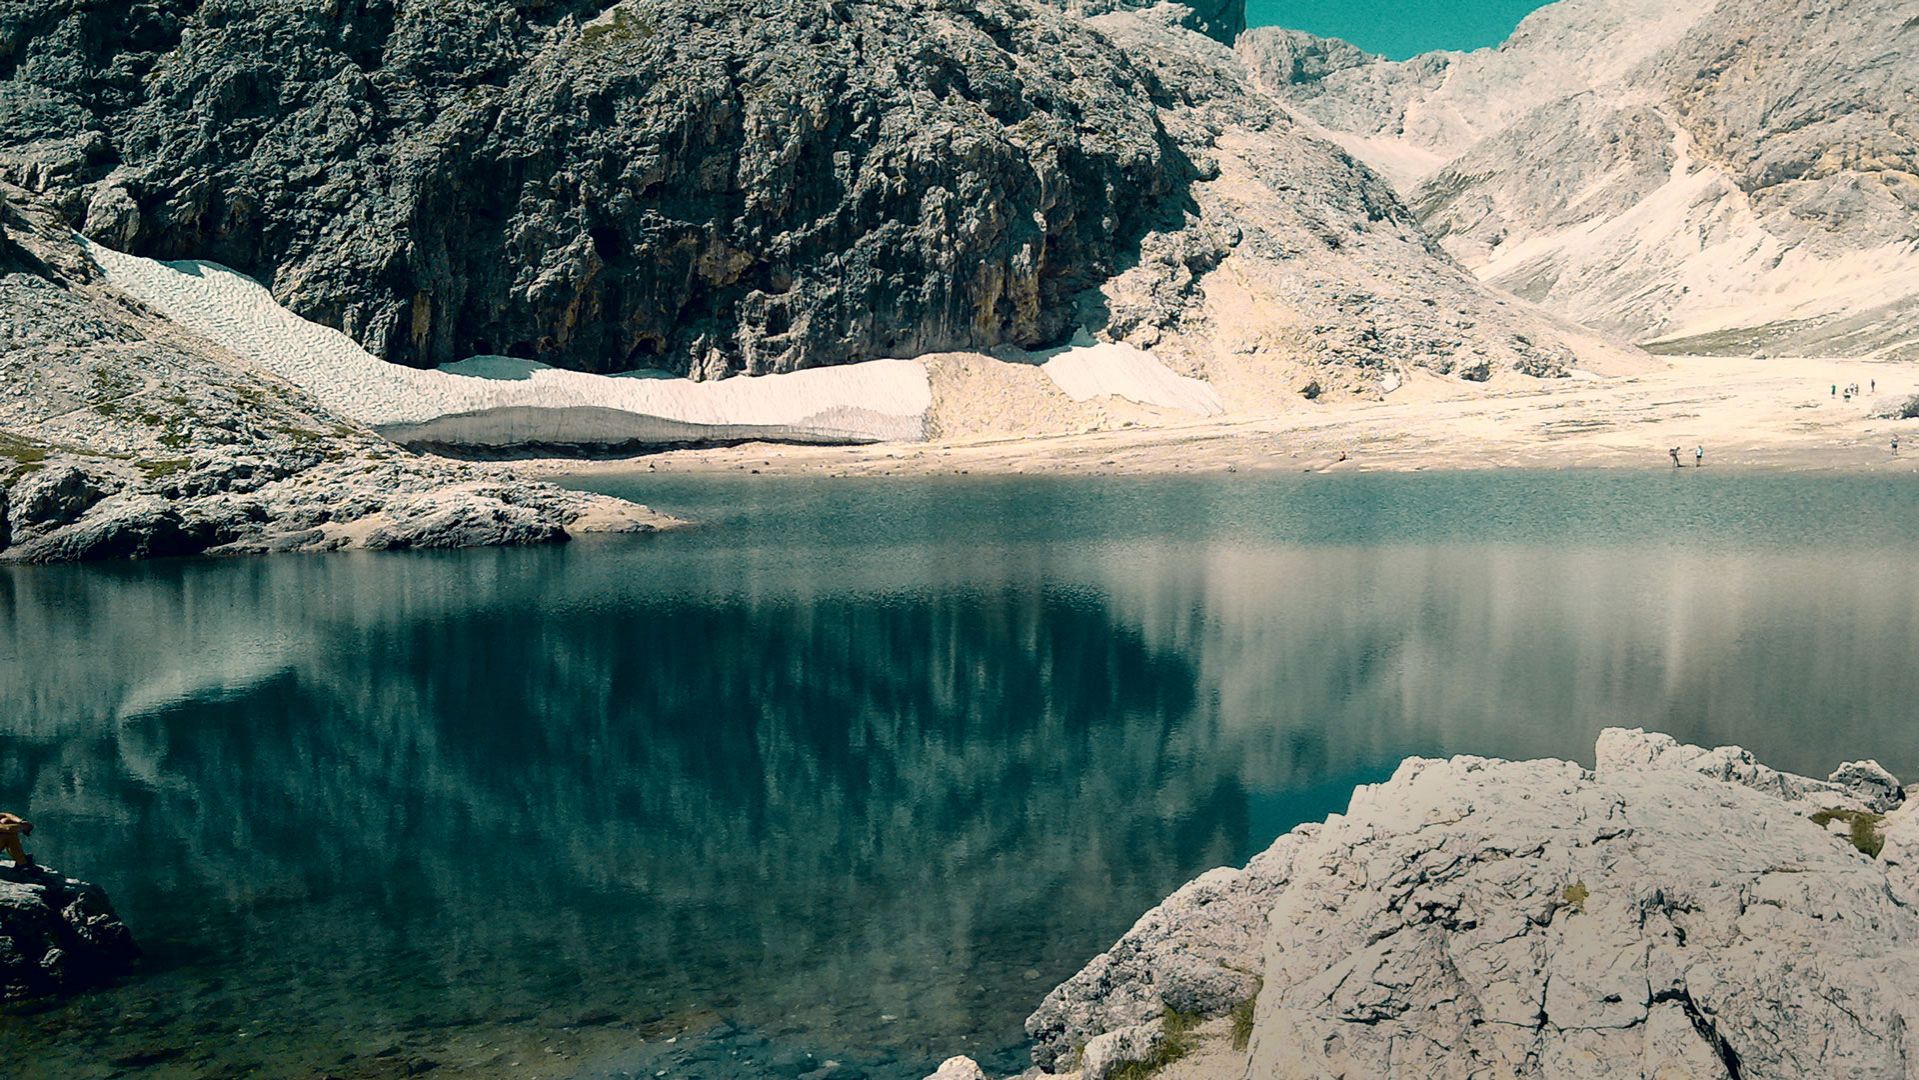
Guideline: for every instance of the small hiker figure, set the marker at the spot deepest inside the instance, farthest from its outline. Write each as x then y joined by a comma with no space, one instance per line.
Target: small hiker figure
1835,389
1874,383
12,828
1895,445
1674,452
1698,455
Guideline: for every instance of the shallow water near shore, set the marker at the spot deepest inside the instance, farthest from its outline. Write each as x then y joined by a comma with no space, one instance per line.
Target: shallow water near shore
843,779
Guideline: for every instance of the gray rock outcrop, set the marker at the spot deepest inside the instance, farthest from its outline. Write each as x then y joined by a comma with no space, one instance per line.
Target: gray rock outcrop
1676,911
1717,175
57,934
1191,954
124,436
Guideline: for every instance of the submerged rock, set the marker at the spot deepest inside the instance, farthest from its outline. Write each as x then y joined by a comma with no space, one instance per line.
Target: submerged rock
1672,912
57,934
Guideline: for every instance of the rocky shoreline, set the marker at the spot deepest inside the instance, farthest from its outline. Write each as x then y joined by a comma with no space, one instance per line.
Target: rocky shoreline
58,934
1674,910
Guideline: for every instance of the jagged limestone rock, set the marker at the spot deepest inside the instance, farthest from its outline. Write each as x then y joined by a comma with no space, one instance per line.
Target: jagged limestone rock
1721,175
57,934
1870,783
1672,912
1107,1053
1864,784
1191,954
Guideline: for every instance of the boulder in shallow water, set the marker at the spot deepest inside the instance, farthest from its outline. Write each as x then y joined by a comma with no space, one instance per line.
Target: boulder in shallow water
57,934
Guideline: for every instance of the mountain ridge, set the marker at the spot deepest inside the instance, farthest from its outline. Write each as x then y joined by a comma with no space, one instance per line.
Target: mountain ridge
1725,176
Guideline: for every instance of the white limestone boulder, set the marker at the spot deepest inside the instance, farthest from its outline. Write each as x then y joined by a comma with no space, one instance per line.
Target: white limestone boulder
1677,911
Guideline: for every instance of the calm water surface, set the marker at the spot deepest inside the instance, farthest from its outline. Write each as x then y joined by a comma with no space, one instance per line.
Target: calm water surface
857,770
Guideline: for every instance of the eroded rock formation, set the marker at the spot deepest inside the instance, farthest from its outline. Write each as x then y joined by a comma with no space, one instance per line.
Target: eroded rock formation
1725,175
1676,911
706,187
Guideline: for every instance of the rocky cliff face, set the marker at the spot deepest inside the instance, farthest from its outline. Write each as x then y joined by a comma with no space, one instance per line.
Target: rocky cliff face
712,188
707,187
1674,911
1722,176
123,435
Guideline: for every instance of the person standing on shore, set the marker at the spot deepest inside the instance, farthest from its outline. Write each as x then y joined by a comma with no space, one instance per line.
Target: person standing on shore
1674,454
1699,455
1895,444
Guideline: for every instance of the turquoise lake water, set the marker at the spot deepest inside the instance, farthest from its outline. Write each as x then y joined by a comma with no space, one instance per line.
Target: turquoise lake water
856,770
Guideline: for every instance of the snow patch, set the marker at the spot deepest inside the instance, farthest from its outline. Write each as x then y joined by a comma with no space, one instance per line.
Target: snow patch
1086,369
503,401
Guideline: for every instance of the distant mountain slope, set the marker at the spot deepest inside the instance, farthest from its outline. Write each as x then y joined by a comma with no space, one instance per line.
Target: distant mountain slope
711,187
1720,176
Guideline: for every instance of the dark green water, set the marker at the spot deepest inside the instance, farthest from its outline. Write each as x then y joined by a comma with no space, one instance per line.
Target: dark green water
859,769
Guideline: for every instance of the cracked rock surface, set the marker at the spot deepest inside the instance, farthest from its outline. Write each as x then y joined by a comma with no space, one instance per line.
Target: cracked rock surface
1673,912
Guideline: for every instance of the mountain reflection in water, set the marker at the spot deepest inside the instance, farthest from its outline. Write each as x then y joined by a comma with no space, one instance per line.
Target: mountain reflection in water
865,768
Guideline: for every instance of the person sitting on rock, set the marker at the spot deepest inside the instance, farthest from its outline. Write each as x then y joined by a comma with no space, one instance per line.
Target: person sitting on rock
12,828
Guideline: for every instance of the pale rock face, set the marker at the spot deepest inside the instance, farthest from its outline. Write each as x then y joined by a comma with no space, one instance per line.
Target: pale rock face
1714,175
958,1068
1190,954
1106,1053
1671,913
1291,265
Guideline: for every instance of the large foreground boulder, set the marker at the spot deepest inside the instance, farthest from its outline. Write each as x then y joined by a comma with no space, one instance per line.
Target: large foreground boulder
1675,912
57,934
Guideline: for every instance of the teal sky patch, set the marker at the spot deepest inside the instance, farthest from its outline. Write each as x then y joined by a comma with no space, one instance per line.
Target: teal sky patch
1397,28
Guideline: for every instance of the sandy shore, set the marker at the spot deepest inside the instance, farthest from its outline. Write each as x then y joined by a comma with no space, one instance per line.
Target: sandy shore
1771,414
